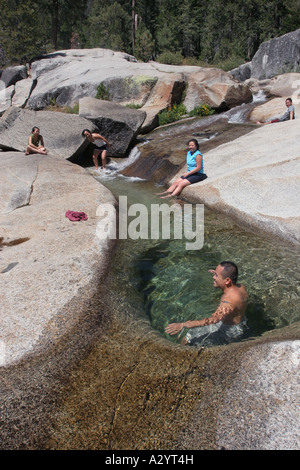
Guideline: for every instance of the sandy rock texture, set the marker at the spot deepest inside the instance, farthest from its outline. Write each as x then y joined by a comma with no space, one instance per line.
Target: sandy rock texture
47,261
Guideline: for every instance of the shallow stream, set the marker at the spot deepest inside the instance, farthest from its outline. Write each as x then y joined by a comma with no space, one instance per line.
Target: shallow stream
168,283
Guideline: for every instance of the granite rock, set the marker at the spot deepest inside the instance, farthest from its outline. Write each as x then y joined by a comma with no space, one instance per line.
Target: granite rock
47,261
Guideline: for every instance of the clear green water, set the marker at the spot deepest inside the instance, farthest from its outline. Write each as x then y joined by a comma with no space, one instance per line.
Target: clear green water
162,280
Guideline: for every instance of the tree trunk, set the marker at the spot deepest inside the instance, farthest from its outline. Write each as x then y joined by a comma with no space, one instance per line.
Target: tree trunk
55,6
133,25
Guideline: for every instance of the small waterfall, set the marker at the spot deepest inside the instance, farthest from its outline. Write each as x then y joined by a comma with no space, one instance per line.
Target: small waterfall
259,97
121,163
239,114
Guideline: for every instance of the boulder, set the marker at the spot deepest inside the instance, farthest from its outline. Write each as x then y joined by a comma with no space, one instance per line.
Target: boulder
118,124
241,73
61,131
67,76
6,96
277,56
215,88
129,90
254,179
50,266
166,92
23,90
287,84
12,75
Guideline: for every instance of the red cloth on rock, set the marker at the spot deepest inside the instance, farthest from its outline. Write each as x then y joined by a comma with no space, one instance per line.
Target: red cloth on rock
76,216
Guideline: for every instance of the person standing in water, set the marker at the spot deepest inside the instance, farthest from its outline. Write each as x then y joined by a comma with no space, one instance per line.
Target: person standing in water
228,321
35,143
100,145
194,173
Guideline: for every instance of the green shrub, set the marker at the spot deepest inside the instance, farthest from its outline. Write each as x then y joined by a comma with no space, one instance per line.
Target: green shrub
72,109
102,92
133,106
202,110
172,114
229,63
170,58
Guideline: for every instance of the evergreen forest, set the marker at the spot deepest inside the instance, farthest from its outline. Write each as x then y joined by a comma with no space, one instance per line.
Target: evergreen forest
194,32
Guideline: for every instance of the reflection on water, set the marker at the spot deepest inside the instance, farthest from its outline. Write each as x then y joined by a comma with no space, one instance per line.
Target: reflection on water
172,284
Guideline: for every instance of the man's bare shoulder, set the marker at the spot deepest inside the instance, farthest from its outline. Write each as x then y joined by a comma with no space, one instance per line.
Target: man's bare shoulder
242,291
236,294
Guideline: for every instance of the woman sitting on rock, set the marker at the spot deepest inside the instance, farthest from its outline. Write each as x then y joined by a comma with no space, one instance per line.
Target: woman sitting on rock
35,143
194,172
99,145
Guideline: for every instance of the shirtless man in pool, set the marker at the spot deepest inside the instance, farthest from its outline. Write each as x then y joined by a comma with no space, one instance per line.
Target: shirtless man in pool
233,303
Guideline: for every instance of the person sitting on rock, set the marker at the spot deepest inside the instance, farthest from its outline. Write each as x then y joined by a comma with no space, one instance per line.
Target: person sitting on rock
194,173
228,322
99,145
287,116
36,143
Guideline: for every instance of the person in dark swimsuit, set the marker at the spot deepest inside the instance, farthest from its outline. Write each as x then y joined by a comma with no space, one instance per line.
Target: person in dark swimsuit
100,145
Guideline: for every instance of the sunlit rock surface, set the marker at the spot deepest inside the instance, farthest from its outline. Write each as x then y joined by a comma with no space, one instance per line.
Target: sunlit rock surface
256,179
48,263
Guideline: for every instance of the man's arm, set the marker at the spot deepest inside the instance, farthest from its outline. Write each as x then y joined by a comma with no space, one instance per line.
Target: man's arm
224,309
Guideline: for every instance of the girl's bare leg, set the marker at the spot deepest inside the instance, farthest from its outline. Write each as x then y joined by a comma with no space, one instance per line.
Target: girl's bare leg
95,158
103,158
33,149
171,188
178,189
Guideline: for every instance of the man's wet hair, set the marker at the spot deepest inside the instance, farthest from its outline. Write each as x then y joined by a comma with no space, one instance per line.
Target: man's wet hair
230,270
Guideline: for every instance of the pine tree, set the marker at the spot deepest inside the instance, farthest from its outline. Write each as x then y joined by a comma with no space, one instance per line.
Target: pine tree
108,26
21,33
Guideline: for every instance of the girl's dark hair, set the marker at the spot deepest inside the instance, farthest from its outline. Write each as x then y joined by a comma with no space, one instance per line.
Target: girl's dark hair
195,142
85,130
35,127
